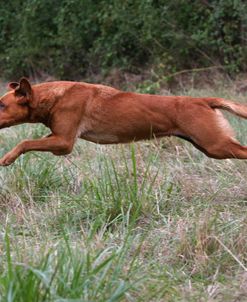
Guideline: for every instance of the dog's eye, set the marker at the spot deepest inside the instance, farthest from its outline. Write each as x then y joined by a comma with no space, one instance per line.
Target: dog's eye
2,106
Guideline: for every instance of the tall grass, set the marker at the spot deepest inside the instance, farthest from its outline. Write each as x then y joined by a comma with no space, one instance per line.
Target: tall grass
152,221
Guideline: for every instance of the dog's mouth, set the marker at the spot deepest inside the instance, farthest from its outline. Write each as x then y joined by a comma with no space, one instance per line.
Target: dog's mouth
2,126
6,124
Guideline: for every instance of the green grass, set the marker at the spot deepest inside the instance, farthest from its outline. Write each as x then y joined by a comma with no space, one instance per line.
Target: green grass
152,221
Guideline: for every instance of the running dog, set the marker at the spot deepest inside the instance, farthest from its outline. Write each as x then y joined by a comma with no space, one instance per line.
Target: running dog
105,115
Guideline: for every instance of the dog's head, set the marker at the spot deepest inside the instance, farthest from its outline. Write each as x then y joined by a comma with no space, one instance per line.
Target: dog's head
15,104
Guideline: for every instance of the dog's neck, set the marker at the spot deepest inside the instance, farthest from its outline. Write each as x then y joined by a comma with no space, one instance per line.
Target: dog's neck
41,113
45,96
40,107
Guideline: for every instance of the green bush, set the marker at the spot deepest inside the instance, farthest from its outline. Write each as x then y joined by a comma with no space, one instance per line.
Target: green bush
69,38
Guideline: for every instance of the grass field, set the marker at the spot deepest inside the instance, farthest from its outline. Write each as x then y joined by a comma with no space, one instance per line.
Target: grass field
152,221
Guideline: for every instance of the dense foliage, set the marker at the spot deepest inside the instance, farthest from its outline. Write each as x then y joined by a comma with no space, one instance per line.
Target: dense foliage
69,38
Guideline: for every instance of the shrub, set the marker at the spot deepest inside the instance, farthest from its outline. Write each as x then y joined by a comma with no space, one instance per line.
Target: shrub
69,38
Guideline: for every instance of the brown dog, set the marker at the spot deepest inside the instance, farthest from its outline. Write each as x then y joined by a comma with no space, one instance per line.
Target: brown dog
106,115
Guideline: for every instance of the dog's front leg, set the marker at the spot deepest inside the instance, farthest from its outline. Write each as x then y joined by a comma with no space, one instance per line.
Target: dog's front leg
58,145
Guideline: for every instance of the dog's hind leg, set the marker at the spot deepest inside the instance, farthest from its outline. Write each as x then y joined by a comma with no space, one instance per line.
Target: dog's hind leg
211,133
228,149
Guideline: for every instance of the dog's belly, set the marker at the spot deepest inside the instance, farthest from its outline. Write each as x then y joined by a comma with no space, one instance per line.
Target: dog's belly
99,137
104,138
94,134
108,134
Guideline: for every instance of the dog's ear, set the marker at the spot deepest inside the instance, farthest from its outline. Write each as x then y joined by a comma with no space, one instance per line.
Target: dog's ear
23,91
12,85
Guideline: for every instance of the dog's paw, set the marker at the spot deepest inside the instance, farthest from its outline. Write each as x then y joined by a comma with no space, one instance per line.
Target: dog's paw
7,160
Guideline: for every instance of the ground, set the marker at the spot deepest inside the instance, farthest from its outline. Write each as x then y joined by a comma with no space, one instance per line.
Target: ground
151,221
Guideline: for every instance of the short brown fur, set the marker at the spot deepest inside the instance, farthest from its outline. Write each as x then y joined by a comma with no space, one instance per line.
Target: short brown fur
105,115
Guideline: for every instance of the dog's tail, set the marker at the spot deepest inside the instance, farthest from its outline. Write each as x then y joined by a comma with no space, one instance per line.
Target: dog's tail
235,108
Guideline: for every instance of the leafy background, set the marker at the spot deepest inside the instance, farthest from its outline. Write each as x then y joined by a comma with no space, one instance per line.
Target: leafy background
72,38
